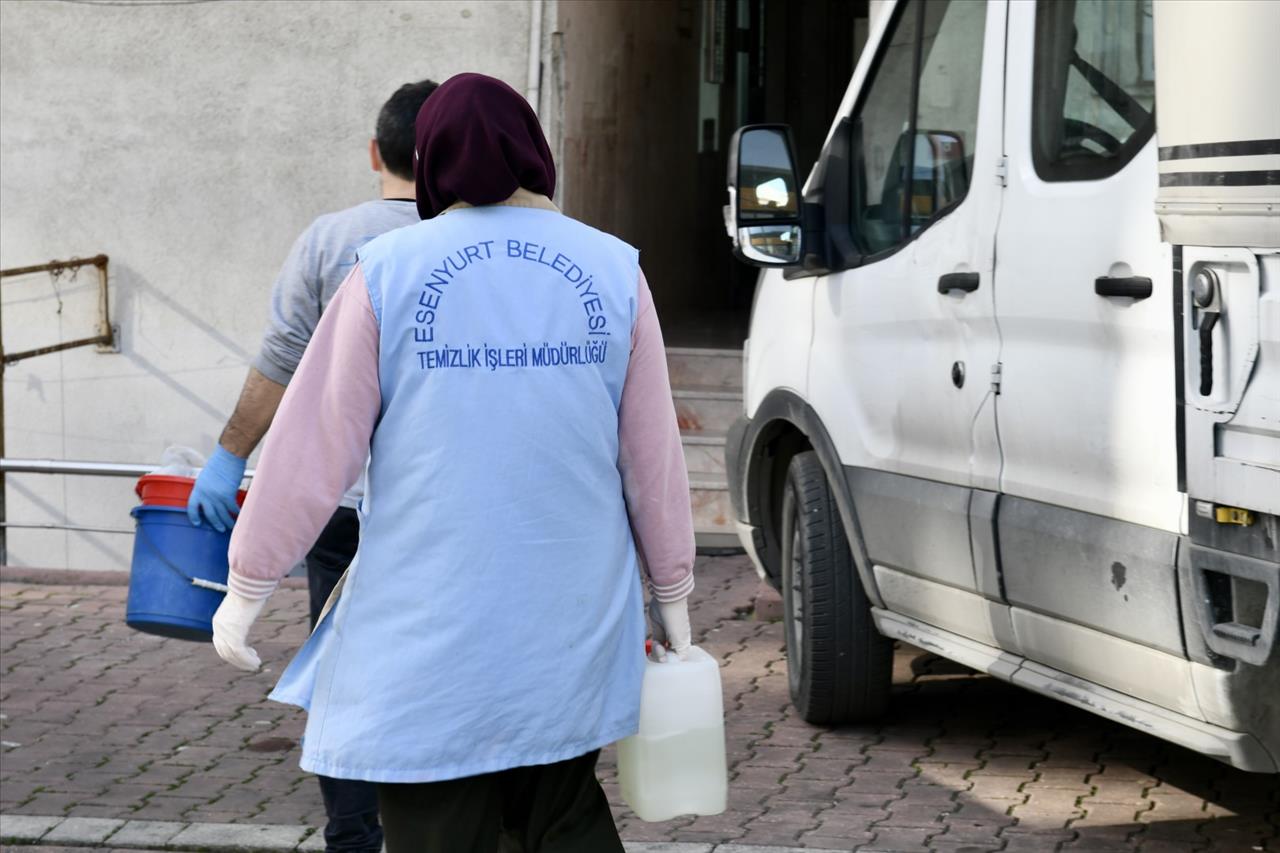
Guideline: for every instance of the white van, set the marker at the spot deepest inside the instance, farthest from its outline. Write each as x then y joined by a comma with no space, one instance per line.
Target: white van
989,409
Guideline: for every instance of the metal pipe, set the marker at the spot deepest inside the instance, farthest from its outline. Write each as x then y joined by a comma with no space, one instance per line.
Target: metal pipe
104,308
99,261
533,79
74,527
57,466
12,358
90,469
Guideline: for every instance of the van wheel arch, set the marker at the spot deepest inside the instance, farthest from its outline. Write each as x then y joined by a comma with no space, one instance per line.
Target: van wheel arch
783,426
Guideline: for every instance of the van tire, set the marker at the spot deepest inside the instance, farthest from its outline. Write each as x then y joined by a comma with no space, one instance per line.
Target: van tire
839,667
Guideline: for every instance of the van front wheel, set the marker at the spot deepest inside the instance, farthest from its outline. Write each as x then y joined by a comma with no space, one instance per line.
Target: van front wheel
839,667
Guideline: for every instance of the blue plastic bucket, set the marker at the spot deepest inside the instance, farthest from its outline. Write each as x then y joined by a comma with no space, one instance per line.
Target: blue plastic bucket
178,576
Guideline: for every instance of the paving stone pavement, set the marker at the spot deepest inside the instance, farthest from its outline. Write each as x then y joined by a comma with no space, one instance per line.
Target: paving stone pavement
98,721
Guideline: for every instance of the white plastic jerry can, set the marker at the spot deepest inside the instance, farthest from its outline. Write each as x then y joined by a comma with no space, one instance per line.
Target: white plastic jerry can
675,765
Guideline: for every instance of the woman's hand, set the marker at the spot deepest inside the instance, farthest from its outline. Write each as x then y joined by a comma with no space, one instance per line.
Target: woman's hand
231,625
671,625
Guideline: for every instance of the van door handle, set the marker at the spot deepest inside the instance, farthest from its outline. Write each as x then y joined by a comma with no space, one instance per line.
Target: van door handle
1132,286
965,281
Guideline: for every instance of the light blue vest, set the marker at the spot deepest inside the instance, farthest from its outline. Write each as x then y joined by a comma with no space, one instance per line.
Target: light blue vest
494,617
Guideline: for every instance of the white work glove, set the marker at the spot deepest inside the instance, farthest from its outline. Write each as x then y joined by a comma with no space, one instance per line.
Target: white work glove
231,625
671,625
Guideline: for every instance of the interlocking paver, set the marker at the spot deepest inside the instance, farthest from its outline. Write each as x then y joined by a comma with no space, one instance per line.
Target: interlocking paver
115,724
903,838
724,827
750,776
776,756
1050,802
941,844
807,791
864,802
952,775
834,822
979,831
1110,815
1168,847
817,767
939,795
812,841
1016,766
791,734
997,787
1046,833
889,761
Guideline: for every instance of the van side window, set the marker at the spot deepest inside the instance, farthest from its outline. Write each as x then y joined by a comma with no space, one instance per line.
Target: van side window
918,118
946,107
1093,105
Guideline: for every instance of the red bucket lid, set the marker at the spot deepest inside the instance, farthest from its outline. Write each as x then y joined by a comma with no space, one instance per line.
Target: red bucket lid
168,490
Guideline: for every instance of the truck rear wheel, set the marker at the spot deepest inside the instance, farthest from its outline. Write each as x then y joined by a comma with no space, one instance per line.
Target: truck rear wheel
839,667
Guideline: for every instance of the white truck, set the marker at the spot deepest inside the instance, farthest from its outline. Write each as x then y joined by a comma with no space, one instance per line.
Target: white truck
1012,385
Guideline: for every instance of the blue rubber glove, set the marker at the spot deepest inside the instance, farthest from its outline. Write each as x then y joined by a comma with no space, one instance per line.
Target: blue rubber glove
214,494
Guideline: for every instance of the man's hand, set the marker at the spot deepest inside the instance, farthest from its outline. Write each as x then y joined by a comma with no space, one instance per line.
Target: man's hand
671,625
214,494
231,625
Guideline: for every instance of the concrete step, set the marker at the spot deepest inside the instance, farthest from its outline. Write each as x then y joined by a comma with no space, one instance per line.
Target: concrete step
707,390
713,525
704,453
711,368
706,409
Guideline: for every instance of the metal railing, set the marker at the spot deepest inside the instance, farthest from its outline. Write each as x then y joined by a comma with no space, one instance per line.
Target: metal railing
62,466
105,338
73,468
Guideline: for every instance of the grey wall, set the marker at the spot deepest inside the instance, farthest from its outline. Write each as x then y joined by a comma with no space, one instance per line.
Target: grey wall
191,143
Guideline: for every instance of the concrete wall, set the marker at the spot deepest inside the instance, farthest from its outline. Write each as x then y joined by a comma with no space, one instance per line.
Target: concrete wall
191,143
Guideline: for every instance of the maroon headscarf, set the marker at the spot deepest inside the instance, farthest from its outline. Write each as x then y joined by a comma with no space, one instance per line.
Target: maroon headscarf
478,140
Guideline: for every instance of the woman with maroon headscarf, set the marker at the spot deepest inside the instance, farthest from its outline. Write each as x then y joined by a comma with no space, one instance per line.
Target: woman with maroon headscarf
502,367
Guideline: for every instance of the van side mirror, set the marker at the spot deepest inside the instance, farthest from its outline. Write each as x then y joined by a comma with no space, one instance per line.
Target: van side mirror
763,213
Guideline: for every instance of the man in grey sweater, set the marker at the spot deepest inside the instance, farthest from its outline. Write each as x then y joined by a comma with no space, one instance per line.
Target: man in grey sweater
318,262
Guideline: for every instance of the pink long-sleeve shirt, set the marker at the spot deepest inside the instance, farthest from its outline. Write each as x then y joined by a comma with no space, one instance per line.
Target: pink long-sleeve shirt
320,438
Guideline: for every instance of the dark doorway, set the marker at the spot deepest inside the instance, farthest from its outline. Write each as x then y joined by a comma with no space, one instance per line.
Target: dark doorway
652,91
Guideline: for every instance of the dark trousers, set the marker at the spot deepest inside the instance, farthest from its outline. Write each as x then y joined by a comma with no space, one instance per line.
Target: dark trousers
548,808
350,806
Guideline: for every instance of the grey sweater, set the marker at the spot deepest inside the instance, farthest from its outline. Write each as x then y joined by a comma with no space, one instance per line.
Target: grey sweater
320,259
